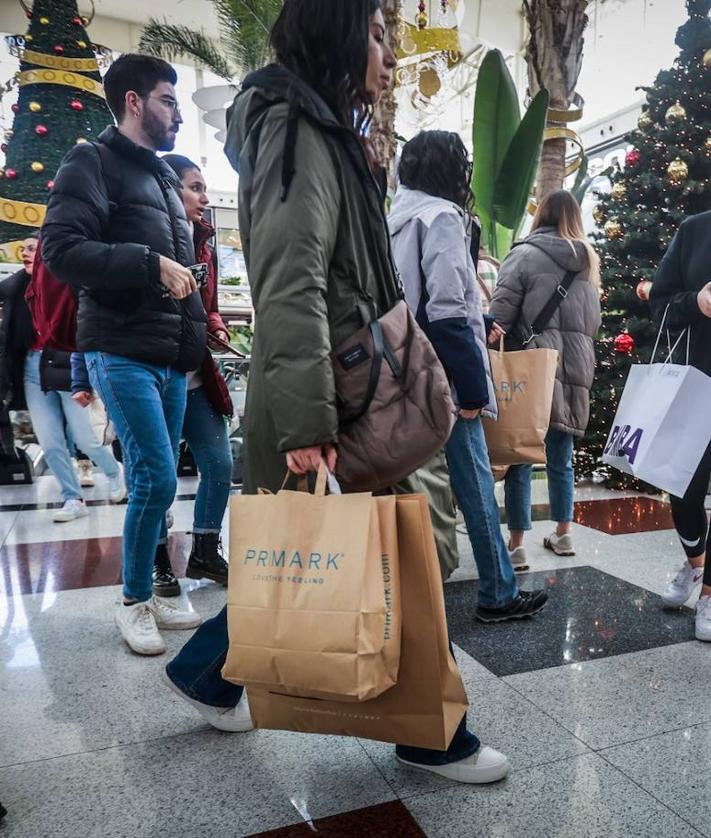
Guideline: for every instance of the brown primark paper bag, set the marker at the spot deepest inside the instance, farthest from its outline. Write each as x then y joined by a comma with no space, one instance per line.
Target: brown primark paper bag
313,603
524,383
428,702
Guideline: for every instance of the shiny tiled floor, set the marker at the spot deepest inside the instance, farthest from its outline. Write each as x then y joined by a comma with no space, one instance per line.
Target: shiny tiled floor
601,703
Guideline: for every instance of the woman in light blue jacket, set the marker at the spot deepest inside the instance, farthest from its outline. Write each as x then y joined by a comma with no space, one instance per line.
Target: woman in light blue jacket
428,222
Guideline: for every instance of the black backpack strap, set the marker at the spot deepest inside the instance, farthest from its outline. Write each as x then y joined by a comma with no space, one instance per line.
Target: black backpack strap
111,170
561,292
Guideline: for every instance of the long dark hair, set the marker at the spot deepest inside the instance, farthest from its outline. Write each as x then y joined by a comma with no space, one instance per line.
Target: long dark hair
325,43
437,162
179,164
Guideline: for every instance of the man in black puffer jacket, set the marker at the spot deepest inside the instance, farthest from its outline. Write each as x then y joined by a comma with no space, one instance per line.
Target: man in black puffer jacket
116,227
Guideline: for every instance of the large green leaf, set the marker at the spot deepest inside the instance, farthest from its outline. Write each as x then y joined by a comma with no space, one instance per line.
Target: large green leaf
496,118
518,170
504,241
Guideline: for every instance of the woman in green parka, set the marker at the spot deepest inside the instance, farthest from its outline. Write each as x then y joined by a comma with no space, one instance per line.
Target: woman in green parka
317,249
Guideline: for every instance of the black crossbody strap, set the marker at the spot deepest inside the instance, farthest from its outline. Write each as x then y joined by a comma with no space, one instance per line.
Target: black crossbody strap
561,292
379,351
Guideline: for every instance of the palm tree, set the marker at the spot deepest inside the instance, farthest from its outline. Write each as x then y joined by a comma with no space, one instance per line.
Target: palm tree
243,44
554,56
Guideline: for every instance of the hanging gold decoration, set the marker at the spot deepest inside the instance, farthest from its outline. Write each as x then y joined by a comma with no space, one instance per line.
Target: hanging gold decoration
645,121
613,229
676,113
677,171
707,59
619,191
707,146
598,214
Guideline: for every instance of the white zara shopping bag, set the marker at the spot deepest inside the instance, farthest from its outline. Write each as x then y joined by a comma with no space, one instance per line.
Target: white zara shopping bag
663,424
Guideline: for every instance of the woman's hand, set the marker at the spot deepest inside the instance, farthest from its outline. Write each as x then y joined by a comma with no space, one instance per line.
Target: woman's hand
495,334
83,398
304,460
220,335
470,414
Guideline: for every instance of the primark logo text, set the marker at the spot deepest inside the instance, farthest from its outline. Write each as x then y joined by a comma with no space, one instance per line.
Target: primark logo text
293,558
506,390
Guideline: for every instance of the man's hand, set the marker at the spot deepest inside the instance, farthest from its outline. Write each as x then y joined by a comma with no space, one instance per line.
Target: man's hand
304,460
470,414
84,398
495,335
176,278
704,300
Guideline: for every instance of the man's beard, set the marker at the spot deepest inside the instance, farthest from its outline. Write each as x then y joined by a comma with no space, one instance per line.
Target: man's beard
158,134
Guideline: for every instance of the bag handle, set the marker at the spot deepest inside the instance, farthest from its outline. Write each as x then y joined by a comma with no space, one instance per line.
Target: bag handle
671,349
324,479
376,332
561,292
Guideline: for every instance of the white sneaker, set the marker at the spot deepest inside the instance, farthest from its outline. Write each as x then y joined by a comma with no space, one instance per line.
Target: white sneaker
71,510
485,766
117,486
703,619
86,474
138,628
561,545
682,585
169,615
169,519
231,719
519,559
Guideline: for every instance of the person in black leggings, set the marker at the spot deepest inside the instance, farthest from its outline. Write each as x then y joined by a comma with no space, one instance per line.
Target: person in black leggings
680,300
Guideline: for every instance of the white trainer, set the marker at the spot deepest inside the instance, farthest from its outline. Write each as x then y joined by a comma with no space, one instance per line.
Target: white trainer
561,545
703,619
230,719
169,615
86,473
682,585
138,628
71,510
519,559
117,486
485,766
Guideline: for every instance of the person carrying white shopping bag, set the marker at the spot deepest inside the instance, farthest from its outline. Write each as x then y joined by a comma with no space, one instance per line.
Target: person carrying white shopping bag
662,427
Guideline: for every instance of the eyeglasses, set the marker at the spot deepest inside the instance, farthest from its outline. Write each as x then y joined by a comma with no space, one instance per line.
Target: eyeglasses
168,102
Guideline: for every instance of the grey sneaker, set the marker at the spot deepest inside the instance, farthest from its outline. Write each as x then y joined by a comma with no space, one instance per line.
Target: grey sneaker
561,545
519,559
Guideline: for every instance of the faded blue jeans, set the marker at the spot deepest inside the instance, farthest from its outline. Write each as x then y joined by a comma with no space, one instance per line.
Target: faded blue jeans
561,484
146,404
49,411
196,671
473,485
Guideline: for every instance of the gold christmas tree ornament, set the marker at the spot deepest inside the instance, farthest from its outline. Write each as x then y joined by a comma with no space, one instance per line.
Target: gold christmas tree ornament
613,229
677,171
707,59
676,113
619,191
645,121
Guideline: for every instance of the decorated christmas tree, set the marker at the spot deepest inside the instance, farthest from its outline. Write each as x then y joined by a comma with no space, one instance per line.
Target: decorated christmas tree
667,177
61,102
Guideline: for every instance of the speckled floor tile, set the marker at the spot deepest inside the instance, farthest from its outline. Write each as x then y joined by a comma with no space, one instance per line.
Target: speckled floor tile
675,767
501,718
625,698
582,797
204,784
70,683
590,614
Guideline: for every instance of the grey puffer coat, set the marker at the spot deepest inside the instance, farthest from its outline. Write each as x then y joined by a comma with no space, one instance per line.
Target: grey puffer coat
527,280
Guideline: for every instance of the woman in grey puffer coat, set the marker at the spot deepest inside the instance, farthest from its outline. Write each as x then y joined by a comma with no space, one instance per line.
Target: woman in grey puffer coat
527,281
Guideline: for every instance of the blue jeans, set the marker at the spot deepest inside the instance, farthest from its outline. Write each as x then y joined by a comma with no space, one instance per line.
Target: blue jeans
146,404
473,485
561,484
49,412
205,431
196,671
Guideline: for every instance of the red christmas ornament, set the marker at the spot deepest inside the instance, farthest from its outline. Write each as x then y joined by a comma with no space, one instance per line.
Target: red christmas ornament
644,286
632,157
28,14
41,130
76,105
59,49
10,174
624,344
3,148
76,20
50,184
15,108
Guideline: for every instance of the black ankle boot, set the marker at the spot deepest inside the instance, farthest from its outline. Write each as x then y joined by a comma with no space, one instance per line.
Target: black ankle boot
206,561
164,580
